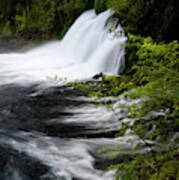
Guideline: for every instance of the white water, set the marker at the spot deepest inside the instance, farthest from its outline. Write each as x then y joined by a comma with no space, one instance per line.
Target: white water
71,157
87,49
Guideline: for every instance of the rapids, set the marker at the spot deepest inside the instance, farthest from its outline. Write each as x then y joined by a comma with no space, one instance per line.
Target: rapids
53,133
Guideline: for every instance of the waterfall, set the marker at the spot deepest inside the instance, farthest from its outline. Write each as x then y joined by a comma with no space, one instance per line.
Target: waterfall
87,49
54,132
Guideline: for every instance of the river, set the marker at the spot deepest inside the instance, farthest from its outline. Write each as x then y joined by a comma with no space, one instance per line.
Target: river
49,131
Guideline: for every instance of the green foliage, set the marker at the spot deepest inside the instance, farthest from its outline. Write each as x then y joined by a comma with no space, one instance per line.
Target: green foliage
153,72
38,19
84,4
160,166
6,30
100,6
152,76
148,18
109,78
91,88
121,6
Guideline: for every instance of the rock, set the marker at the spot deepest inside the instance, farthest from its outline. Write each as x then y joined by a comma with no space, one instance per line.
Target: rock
100,75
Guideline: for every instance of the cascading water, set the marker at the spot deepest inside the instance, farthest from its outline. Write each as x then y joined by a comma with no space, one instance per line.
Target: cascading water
53,133
87,49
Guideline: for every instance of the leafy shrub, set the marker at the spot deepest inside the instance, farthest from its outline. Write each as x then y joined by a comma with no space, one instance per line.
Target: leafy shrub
161,166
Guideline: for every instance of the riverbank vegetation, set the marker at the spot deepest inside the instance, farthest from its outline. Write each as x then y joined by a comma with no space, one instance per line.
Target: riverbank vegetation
151,74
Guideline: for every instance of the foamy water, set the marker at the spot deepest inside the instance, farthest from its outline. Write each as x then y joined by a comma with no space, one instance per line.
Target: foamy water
87,49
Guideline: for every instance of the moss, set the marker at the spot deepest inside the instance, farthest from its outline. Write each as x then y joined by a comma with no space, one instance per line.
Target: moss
110,78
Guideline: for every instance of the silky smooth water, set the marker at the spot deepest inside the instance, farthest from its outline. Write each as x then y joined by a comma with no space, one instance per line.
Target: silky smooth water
87,49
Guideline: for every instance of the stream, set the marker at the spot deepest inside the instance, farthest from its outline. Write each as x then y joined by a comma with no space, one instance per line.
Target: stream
49,131
55,133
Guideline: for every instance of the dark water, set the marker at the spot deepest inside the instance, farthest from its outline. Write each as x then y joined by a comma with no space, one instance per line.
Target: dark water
49,133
